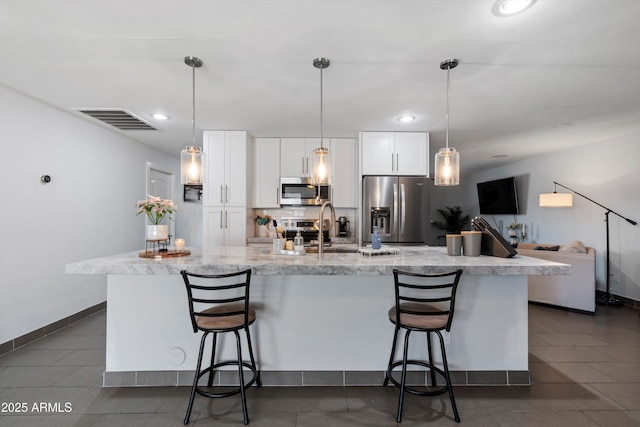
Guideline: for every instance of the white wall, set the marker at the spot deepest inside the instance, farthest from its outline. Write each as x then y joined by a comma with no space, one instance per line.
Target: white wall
87,210
606,172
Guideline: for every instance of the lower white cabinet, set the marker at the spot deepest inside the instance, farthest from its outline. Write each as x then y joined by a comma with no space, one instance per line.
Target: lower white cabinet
224,226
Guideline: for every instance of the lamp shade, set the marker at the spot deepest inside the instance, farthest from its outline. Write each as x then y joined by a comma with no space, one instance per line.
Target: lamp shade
192,166
556,200
447,167
321,166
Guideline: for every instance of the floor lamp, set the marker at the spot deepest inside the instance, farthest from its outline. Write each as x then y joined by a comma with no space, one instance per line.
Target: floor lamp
557,200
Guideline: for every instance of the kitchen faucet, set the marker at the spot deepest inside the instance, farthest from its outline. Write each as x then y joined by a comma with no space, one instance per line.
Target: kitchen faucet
332,225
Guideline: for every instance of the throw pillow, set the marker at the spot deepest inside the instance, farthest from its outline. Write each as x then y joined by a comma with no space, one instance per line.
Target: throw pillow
575,246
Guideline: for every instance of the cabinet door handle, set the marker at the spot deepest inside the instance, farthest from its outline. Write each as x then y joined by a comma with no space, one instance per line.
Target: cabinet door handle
277,195
226,194
397,162
307,165
221,212
302,159
221,194
402,207
226,219
392,162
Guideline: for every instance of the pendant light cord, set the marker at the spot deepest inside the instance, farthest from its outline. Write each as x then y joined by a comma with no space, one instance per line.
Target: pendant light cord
447,135
321,110
193,119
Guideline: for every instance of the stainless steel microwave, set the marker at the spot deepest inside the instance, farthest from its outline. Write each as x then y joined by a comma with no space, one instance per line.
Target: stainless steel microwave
301,191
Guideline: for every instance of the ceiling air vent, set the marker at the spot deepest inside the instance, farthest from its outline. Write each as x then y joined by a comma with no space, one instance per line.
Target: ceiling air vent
120,119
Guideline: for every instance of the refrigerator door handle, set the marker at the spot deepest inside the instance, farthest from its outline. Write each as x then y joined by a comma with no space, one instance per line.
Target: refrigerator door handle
403,209
395,209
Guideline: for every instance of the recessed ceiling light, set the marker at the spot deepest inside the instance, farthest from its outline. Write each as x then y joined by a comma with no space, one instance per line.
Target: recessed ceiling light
406,118
160,116
511,7
563,125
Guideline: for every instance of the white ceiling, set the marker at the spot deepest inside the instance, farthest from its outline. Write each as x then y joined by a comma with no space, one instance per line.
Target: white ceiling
520,78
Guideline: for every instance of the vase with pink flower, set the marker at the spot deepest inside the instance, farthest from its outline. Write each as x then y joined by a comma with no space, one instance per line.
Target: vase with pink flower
157,210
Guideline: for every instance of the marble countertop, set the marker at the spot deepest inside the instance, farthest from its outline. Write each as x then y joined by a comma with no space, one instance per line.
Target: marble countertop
264,263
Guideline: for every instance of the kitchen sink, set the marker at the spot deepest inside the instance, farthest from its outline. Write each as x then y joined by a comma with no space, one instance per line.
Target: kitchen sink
332,250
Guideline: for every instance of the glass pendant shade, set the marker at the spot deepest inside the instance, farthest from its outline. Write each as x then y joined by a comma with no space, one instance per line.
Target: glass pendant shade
192,156
447,161
556,200
191,166
447,165
321,166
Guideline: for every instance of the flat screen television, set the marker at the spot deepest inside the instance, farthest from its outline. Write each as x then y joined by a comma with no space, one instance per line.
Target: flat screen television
498,197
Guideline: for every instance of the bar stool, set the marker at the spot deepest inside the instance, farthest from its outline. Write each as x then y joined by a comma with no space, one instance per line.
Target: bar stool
423,303
230,313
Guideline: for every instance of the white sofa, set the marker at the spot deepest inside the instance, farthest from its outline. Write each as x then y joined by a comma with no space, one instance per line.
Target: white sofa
576,291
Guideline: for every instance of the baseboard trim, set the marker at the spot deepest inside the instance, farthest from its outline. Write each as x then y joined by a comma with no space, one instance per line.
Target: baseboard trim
559,307
25,339
312,378
626,301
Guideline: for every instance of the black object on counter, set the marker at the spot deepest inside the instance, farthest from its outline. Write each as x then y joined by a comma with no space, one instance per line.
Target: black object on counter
493,244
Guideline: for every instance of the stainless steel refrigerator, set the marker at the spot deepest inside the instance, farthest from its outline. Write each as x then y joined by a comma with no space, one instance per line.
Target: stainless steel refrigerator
399,206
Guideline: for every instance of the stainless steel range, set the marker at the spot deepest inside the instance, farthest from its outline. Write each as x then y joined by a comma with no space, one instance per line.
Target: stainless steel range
308,230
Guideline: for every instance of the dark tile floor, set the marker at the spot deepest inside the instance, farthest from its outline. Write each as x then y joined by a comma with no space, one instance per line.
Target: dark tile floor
585,372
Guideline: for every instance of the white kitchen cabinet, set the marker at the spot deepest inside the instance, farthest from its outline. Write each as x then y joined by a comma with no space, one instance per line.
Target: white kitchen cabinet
224,226
377,151
295,155
226,173
227,195
394,153
266,171
343,157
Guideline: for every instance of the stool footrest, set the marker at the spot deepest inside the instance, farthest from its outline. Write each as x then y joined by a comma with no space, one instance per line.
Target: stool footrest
201,391
442,389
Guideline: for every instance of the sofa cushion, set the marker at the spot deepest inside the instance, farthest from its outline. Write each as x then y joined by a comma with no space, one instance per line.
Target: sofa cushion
575,246
546,248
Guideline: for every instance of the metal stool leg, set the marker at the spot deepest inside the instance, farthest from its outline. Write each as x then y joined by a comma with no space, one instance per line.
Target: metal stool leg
403,380
253,361
393,353
195,380
213,358
447,377
433,372
245,414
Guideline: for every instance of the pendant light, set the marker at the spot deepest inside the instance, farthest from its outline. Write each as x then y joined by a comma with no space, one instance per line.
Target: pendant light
192,156
447,162
321,159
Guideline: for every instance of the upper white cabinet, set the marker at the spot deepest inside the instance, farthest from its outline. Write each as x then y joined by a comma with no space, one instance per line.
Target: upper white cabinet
226,203
295,155
296,160
227,174
266,170
395,153
344,160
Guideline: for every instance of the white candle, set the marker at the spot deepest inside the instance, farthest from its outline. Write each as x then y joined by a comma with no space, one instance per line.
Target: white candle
179,244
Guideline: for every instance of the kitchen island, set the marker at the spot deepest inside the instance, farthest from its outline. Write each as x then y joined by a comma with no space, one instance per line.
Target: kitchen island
321,320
